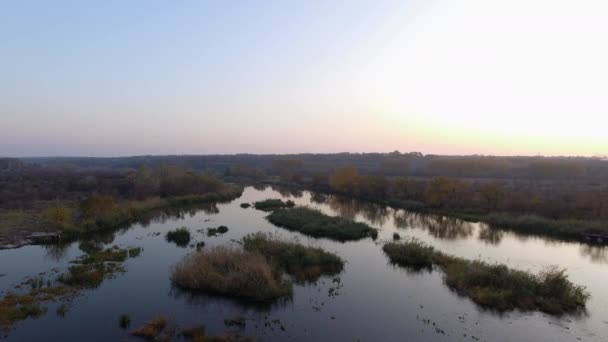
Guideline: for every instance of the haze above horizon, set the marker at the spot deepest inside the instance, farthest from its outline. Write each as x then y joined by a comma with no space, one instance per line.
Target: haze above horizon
117,78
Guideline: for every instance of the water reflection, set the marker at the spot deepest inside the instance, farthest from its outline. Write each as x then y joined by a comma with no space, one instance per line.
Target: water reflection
287,192
489,235
597,254
441,227
56,252
202,300
349,208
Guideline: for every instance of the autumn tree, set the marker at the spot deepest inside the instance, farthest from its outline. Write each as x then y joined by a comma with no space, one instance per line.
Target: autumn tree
344,179
59,216
492,194
444,192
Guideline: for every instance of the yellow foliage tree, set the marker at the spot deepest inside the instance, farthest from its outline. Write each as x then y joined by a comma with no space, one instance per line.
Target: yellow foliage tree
344,179
59,216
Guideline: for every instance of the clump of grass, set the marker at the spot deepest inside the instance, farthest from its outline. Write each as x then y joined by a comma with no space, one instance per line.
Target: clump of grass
305,263
493,285
314,223
180,236
396,236
245,205
410,253
230,271
152,328
273,204
216,231
124,321
135,252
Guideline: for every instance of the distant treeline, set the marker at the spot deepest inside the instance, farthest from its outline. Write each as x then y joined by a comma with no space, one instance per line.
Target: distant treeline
413,164
553,187
22,185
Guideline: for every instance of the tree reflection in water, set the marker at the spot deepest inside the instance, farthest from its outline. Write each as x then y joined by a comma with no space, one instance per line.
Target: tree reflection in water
597,254
441,227
489,235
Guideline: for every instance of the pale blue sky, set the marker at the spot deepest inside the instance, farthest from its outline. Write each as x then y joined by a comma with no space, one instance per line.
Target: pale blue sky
108,78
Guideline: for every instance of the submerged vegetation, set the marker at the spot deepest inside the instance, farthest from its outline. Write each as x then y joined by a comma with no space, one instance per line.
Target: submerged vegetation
87,271
303,262
314,223
179,236
231,271
493,285
273,204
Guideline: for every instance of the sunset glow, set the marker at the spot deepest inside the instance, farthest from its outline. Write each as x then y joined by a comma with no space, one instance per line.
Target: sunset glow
465,77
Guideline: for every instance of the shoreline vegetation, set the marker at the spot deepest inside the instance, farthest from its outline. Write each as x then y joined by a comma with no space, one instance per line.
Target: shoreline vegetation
255,271
494,286
105,213
314,223
526,224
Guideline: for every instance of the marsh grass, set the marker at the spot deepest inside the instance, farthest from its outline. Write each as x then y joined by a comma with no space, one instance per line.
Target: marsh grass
314,223
273,204
494,285
230,271
502,288
411,253
180,236
304,262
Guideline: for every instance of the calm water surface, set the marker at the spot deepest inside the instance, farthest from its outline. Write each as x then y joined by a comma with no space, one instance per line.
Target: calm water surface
373,301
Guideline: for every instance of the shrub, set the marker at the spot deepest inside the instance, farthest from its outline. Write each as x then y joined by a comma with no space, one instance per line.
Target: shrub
314,223
305,263
180,236
230,271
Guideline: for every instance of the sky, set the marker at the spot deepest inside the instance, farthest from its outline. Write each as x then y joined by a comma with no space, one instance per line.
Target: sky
118,78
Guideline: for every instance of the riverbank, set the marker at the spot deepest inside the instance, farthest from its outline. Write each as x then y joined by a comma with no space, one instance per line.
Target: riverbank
125,213
525,224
